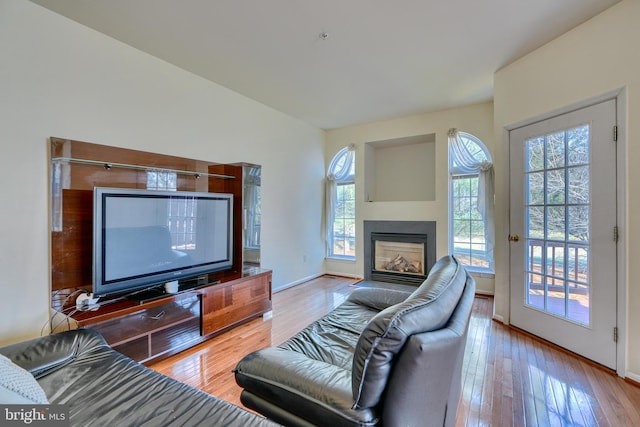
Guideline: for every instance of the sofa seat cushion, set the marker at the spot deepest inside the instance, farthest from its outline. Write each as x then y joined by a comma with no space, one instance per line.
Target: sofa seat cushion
333,338
287,379
428,308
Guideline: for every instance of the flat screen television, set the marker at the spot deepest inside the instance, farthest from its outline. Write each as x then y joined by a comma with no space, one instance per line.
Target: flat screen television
145,238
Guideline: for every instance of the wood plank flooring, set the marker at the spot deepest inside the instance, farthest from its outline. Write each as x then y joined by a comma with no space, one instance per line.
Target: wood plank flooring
508,378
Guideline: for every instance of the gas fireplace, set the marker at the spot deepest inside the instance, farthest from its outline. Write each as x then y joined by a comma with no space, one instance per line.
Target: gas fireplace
399,251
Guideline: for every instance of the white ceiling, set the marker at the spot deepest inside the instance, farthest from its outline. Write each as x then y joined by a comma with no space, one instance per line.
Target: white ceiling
381,59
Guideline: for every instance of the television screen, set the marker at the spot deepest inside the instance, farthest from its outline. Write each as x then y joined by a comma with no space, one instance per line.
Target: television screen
144,238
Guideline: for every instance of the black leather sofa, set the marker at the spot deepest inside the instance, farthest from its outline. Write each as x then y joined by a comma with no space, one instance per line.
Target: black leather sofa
100,387
383,357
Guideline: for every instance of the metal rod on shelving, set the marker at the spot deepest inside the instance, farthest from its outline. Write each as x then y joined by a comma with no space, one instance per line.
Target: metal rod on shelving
109,165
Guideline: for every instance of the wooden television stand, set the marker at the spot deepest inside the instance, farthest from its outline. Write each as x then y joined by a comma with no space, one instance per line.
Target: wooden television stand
150,330
166,323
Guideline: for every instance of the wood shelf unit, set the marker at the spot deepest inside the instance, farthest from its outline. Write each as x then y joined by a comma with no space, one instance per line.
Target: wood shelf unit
170,323
152,330
228,304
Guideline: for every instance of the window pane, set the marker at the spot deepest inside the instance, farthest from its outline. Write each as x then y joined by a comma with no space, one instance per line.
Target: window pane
463,209
350,237
578,264
579,185
555,223
578,223
461,187
535,223
344,222
535,261
555,150
462,231
578,145
556,299
338,236
477,231
535,154
578,307
535,188
473,186
555,187
535,291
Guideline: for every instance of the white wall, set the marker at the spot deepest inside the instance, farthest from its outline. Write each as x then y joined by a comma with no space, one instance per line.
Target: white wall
596,58
402,172
59,78
475,119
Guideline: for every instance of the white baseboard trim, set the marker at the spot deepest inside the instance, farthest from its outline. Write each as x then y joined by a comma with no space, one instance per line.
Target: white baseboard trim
482,292
498,318
632,376
297,282
315,276
338,274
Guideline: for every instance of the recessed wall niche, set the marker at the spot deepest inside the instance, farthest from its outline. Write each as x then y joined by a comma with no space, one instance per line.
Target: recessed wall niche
401,169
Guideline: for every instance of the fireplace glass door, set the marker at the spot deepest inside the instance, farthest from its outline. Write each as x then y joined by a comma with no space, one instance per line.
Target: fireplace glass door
399,257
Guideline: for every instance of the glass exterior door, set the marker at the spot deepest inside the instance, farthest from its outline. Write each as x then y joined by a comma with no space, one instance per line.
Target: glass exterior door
562,226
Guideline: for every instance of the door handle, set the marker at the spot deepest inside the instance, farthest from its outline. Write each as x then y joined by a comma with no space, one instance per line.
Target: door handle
514,237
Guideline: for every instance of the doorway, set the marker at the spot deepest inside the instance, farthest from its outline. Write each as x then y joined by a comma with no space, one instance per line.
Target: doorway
563,231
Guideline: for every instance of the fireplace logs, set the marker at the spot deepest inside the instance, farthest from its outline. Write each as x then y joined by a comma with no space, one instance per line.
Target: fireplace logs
401,264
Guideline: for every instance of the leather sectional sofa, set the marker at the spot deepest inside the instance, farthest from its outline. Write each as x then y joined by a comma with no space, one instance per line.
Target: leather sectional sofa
383,357
101,387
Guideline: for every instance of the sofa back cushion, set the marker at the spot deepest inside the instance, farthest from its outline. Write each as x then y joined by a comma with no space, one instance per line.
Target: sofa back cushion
428,308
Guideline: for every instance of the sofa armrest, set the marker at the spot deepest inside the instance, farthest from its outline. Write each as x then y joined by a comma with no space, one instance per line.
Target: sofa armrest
378,298
436,370
431,361
42,355
308,388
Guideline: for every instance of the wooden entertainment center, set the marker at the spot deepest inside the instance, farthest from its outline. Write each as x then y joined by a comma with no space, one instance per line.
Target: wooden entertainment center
165,323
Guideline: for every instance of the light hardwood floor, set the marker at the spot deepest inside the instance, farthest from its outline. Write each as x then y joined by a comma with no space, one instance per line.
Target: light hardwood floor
508,378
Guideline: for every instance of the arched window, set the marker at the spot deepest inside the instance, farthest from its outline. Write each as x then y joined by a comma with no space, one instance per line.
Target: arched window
471,192
341,205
